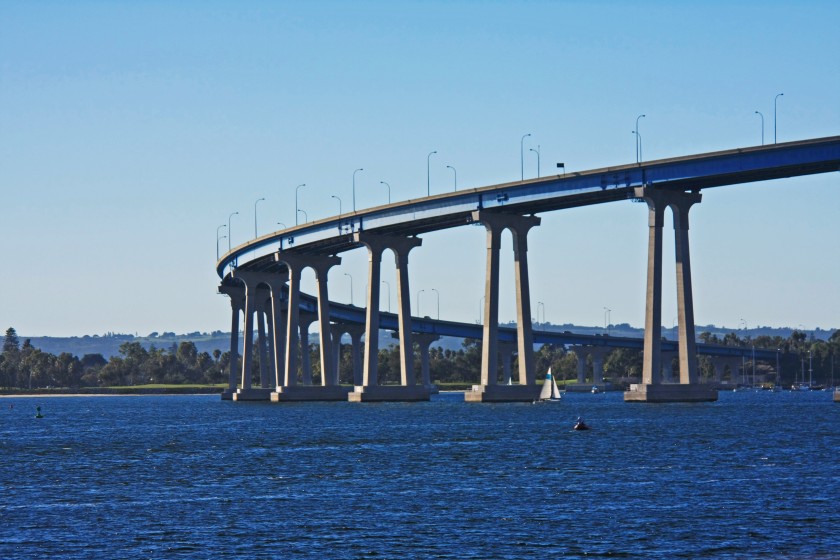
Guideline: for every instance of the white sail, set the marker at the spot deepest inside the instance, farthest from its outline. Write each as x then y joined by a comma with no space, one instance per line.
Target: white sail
546,392
549,388
555,392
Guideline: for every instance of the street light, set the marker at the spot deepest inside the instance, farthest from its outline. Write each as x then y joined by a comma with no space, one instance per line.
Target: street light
607,312
389,295
456,175
389,190
354,187
281,224
351,287
762,126
638,139
305,216
775,99
437,293
428,174
537,151
229,233
217,239
296,200
255,216
339,203
540,304
418,302
522,154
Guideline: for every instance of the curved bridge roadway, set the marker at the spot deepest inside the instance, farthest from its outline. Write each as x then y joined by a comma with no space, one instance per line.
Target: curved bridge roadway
278,258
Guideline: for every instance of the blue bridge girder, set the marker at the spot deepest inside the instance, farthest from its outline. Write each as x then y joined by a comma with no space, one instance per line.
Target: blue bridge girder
344,313
413,217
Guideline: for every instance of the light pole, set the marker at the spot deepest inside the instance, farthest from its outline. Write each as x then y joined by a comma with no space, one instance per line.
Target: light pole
389,295
281,224
354,187
418,302
537,151
351,287
305,216
762,126
229,235
339,203
296,201
428,174
437,293
607,312
217,239
456,175
540,304
522,154
638,139
775,99
255,216
389,190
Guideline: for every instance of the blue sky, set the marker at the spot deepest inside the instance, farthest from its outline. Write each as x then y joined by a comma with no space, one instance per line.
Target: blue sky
129,131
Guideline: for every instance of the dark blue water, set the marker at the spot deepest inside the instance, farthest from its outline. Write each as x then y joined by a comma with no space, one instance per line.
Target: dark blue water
753,475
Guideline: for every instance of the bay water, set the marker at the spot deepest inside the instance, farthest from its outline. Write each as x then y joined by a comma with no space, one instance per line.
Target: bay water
752,475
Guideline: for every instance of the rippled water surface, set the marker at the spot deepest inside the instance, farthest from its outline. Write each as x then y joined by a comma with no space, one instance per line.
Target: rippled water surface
753,475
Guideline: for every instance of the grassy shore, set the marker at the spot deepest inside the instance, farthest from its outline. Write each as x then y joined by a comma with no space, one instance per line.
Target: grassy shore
152,389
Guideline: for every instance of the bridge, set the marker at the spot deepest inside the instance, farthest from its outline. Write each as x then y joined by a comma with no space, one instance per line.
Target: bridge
262,278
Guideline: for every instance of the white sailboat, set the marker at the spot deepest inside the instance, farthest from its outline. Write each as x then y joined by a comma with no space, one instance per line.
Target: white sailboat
550,392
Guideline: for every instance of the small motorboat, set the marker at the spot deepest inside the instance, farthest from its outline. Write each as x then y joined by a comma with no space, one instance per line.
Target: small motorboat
595,390
580,424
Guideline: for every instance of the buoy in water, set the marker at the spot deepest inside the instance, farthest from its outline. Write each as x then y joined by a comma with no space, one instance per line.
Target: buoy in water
38,412
580,424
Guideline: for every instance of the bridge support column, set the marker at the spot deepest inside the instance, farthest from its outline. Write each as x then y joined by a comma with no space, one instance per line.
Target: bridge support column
490,390
262,340
371,390
506,350
356,332
580,352
237,306
667,361
599,355
717,368
424,341
304,321
255,296
297,333
650,390
735,376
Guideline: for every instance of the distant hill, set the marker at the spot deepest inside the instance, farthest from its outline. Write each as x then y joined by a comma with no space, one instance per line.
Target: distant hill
109,344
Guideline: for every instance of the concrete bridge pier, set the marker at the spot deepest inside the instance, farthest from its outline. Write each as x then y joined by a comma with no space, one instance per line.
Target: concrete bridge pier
262,339
305,320
688,389
490,390
256,293
237,306
370,390
506,350
667,375
424,341
599,356
297,333
735,376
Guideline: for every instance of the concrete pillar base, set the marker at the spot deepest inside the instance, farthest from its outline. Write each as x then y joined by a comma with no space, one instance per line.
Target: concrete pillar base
502,393
388,393
253,394
670,392
837,395
310,393
227,395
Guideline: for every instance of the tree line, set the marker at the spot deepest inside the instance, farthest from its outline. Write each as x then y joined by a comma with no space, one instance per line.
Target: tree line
23,366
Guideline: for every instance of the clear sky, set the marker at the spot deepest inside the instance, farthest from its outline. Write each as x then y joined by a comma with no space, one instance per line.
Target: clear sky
129,131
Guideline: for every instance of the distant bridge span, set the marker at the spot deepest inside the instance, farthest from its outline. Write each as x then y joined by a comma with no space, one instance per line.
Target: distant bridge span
258,286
